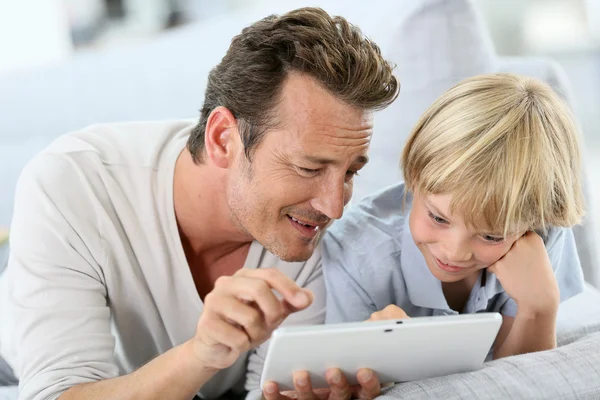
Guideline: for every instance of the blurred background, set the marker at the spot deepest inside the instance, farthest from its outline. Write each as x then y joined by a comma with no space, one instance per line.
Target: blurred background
37,33
41,32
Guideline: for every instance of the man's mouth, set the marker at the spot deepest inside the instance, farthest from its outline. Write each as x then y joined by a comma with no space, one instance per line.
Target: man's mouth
307,228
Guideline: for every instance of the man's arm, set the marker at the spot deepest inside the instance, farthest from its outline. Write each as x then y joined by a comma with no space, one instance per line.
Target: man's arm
58,307
57,299
239,314
173,375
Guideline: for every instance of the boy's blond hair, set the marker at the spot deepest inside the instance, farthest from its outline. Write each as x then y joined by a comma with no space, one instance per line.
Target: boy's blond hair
506,148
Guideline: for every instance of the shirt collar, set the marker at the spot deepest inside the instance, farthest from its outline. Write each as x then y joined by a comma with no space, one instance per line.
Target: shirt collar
423,289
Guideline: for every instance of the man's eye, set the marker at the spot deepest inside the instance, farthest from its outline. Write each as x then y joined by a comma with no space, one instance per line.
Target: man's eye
308,171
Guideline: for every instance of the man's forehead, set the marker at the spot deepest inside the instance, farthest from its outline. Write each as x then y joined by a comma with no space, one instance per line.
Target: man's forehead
305,101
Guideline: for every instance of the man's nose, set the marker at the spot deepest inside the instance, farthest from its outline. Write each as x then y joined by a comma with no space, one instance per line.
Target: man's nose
333,196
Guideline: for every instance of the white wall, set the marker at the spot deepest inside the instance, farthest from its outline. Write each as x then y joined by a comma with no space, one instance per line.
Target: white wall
32,33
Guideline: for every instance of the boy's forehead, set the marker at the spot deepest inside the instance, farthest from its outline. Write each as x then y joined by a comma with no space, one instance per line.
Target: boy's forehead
478,220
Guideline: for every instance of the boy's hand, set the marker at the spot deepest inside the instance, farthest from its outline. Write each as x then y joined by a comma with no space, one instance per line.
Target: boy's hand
526,275
390,312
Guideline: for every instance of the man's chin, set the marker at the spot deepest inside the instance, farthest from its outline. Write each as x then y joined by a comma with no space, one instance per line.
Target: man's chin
291,248
296,253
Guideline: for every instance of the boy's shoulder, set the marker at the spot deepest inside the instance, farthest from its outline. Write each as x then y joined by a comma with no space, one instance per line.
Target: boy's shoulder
377,218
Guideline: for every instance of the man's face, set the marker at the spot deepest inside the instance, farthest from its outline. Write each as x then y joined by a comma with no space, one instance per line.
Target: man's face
452,249
302,172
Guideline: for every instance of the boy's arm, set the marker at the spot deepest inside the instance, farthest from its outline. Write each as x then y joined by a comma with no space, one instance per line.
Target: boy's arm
531,273
527,277
525,334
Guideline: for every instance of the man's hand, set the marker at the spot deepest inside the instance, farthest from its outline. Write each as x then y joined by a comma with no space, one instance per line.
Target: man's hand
339,389
241,313
526,275
390,312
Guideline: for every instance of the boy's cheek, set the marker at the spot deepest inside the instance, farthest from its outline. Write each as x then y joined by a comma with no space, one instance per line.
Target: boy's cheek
421,232
493,255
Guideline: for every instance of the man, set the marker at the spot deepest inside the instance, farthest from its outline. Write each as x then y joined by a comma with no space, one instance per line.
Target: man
145,256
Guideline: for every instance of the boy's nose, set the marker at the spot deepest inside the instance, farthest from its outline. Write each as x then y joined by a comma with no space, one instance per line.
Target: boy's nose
457,253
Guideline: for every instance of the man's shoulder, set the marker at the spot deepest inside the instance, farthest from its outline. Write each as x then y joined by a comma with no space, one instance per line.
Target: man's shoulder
89,153
123,143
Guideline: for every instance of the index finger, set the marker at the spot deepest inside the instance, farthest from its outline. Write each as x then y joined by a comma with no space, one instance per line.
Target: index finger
291,292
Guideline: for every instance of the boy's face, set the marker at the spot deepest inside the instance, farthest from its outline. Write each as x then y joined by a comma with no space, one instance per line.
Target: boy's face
453,250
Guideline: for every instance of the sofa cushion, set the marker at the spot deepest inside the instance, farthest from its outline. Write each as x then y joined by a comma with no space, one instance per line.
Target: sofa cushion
568,372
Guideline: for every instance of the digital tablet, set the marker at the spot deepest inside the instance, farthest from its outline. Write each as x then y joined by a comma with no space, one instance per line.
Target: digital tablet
396,350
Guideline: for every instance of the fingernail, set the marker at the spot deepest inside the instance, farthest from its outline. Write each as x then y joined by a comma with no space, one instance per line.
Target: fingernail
301,299
336,377
364,376
302,381
270,388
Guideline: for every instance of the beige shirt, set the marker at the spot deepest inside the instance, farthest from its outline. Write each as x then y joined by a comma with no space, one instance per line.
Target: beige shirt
97,282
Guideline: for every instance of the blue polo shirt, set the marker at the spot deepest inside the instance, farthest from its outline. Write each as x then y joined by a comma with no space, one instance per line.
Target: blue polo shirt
371,261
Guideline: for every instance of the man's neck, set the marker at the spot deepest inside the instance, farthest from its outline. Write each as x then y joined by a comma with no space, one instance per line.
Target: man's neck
205,226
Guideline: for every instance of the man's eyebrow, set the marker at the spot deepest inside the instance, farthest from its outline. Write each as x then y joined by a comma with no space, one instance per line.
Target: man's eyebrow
326,161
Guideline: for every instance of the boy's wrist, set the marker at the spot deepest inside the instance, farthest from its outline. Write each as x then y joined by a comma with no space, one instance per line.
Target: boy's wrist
537,311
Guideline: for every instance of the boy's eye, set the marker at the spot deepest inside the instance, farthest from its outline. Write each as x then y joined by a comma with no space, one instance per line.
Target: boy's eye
437,219
492,239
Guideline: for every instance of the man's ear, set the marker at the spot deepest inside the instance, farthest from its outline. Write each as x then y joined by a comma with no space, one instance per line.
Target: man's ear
221,138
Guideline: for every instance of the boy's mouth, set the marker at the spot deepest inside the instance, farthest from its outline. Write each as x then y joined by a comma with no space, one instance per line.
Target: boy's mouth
447,267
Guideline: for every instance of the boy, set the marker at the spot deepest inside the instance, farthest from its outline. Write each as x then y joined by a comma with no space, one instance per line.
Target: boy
481,223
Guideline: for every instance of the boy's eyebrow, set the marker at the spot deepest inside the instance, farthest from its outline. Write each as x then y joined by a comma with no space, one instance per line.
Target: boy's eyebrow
490,233
436,210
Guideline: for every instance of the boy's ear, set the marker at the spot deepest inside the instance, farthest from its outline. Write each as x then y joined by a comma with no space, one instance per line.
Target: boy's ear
221,138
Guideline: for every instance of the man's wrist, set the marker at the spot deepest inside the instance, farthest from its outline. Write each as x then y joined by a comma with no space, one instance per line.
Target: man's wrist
192,352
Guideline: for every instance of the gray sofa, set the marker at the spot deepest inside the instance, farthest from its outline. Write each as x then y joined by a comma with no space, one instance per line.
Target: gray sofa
435,44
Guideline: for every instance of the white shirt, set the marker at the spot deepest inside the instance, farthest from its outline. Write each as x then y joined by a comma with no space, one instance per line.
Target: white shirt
97,283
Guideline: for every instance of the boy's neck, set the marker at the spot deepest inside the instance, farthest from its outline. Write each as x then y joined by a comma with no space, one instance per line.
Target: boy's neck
457,293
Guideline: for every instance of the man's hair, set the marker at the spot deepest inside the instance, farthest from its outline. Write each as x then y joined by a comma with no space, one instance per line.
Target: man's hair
506,148
249,79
